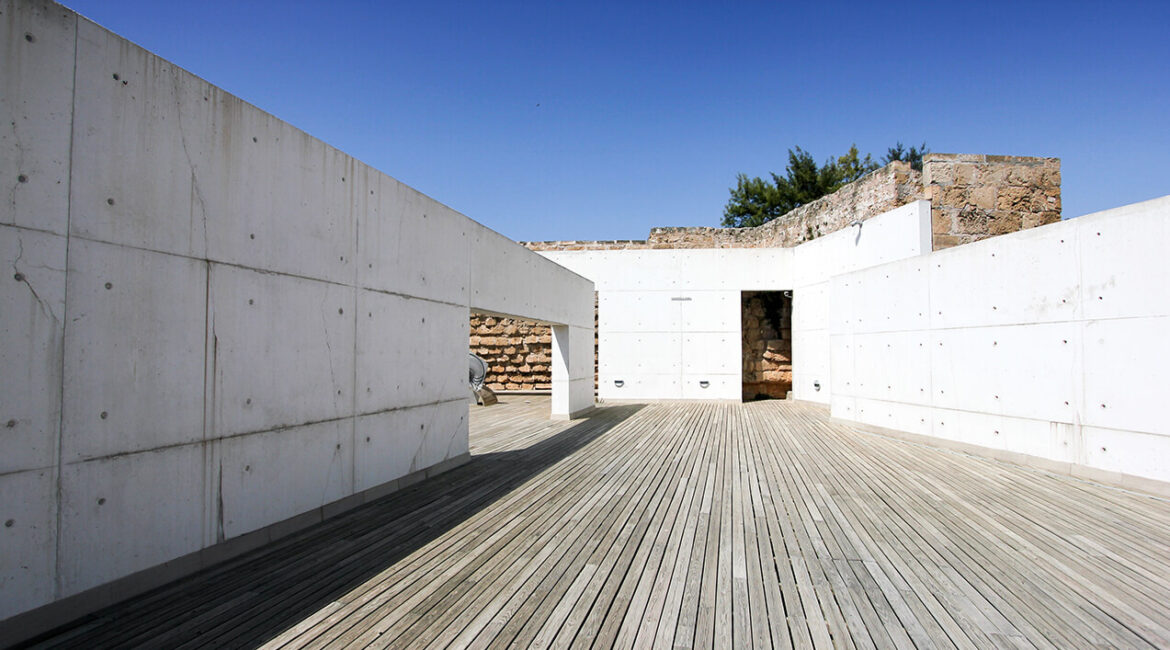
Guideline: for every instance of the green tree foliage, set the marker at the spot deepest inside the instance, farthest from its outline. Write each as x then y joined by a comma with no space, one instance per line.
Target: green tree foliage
755,200
912,155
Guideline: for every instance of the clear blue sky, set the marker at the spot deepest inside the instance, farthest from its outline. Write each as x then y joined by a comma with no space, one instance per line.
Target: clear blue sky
599,120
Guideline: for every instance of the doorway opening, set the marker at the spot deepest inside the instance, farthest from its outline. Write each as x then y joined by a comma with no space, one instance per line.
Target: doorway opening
766,319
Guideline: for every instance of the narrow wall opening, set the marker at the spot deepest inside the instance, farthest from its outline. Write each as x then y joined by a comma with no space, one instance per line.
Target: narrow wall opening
766,319
518,352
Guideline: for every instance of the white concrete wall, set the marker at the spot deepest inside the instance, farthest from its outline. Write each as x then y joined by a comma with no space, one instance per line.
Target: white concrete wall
669,320
211,321
1049,343
898,234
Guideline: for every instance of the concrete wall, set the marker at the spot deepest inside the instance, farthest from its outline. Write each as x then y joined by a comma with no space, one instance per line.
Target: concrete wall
1046,344
898,234
202,320
669,320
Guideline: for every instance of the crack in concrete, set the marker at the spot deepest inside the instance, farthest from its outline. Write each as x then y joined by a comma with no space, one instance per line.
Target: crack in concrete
19,168
22,277
195,186
329,351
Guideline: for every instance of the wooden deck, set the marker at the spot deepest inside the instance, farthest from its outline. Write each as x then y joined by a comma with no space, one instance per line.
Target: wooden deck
690,525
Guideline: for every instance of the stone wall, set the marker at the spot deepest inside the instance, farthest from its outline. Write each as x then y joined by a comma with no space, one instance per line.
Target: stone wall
518,352
767,344
974,197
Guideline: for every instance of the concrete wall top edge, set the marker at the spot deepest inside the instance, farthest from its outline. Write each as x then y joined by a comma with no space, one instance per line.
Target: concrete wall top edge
93,23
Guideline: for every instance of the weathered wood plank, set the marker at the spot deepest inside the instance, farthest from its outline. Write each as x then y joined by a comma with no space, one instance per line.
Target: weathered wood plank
689,525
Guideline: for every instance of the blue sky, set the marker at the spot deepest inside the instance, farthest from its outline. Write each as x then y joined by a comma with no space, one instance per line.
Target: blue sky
601,120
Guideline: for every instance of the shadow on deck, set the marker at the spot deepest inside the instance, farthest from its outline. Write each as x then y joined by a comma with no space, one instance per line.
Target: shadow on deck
251,599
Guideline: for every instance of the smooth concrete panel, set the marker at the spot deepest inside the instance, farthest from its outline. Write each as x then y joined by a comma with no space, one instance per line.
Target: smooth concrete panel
271,476
711,386
1026,277
501,280
413,245
395,443
31,326
810,365
27,563
752,269
571,398
508,279
901,233
278,199
810,342
640,352
894,297
409,351
134,350
572,370
711,353
842,358
624,270
711,311
639,311
724,269
580,359
843,407
734,269
36,110
135,115
810,307
891,415
1024,371
892,366
994,431
1123,260
127,513
282,348
1129,452
640,386
1127,373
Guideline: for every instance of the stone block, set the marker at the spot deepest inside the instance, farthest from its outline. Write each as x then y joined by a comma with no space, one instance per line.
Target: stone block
940,241
984,197
1003,223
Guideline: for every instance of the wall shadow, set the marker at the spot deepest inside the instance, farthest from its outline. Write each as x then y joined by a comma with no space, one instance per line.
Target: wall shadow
253,598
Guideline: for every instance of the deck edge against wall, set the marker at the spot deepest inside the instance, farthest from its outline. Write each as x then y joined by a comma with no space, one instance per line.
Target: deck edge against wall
1119,480
33,623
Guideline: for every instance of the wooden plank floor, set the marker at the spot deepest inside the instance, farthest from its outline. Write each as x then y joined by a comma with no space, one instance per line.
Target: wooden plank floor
690,525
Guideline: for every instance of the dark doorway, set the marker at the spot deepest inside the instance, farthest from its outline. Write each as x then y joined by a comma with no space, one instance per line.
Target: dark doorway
766,319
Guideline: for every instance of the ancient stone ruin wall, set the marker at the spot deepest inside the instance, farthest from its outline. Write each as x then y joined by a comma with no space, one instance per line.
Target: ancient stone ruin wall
518,353
892,186
974,197
767,344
